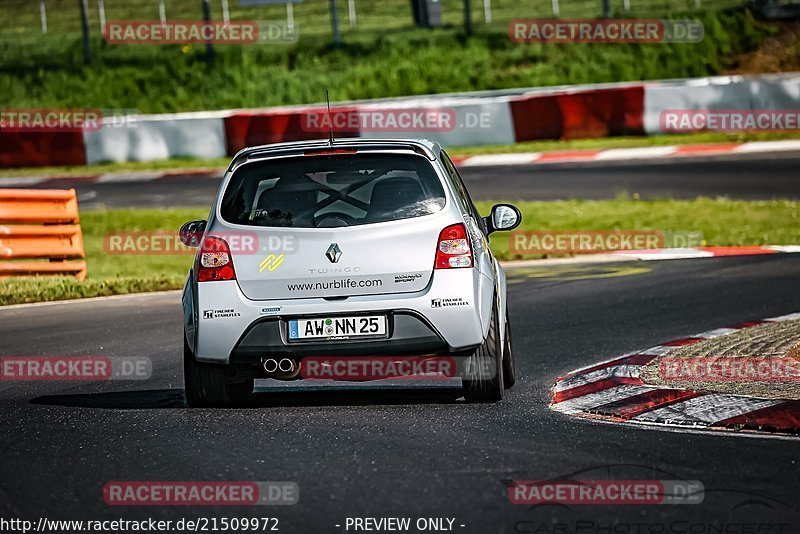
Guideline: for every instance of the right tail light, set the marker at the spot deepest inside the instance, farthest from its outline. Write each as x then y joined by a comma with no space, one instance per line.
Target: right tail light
453,250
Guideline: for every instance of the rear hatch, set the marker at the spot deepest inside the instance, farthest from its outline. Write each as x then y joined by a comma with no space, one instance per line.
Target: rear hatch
335,224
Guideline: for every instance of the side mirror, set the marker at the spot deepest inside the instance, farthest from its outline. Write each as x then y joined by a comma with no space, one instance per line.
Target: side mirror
504,217
191,233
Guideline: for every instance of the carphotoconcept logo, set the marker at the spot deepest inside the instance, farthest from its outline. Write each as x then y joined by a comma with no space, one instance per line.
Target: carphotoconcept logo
606,31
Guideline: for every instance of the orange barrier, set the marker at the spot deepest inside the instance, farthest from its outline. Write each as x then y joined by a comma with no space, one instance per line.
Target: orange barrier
44,226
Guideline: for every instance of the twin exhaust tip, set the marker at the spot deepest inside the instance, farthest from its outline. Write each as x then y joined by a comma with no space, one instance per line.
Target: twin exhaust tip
283,368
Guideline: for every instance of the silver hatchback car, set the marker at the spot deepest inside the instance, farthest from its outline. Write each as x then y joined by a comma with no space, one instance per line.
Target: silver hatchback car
349,259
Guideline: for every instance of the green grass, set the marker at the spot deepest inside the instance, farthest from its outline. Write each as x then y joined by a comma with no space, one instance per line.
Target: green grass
721,222
156,79
27,290
97,224
527,146
312,16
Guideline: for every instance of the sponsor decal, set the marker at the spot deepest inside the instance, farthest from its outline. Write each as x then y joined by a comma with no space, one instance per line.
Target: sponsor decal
407,277
343,283
335,270
448,303
271,311
220,314
271,262
193,493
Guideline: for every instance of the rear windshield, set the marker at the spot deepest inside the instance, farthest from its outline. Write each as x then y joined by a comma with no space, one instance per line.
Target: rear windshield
332,191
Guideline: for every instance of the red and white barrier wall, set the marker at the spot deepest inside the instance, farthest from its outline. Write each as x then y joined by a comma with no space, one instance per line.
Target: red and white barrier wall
778,92
484,118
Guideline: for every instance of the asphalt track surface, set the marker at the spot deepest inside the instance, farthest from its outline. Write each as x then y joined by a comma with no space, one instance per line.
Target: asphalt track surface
400,452
752,177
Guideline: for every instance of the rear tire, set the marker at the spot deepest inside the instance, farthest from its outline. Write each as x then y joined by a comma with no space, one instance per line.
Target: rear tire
483,380
509,366
206,384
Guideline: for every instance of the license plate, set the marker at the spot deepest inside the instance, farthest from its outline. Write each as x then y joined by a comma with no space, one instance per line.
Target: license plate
337,327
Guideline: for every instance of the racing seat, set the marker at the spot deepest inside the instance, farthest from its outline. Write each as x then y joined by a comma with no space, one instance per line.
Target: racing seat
291,202
395,198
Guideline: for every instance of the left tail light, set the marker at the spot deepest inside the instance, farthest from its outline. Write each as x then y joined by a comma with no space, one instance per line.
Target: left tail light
216,263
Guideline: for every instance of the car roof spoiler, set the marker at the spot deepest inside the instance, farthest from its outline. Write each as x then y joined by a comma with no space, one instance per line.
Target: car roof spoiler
424,147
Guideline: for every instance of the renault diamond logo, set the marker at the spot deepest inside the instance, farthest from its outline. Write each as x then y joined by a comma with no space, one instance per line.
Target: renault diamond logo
271,262
334,253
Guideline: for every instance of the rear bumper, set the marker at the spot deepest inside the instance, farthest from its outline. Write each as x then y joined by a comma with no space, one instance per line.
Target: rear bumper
234,329
408,334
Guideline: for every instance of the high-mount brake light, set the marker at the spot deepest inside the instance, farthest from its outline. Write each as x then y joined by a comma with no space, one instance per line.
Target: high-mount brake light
216,263
330,152
453,249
